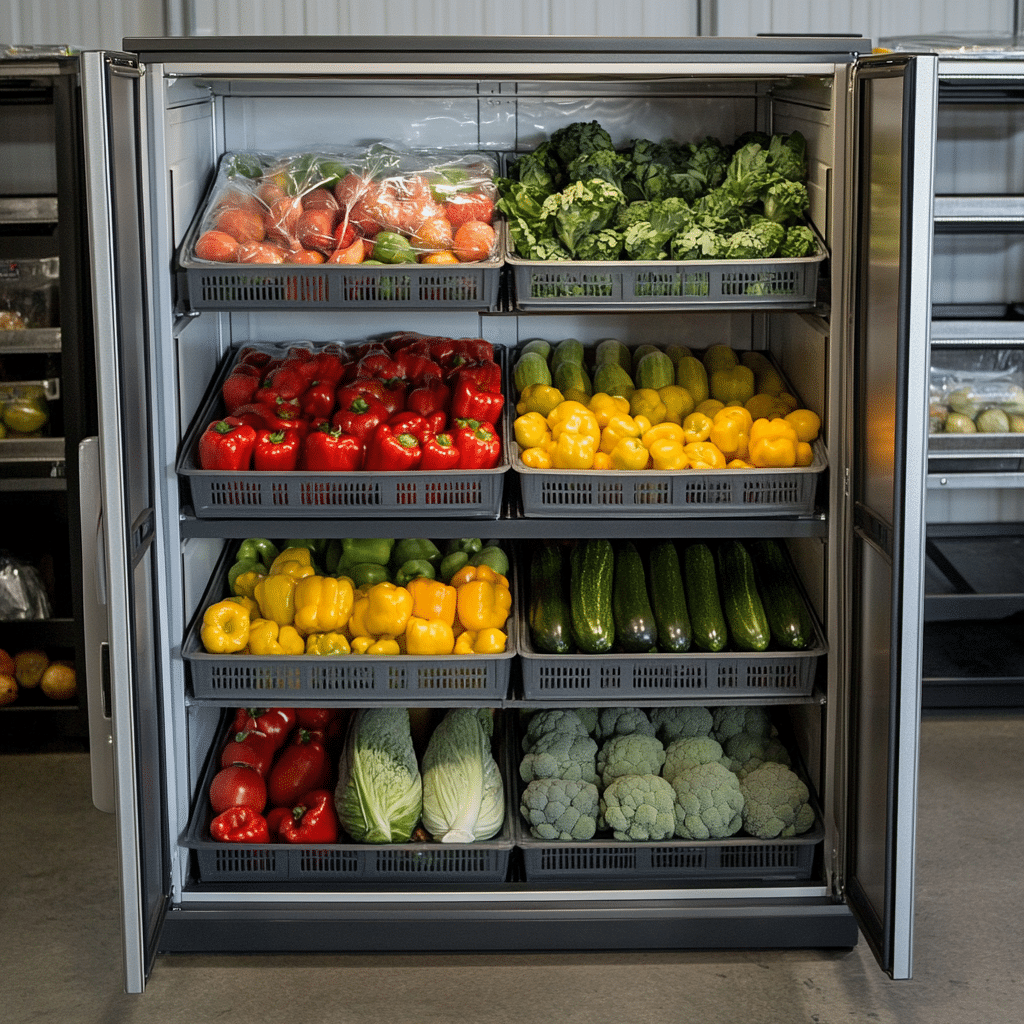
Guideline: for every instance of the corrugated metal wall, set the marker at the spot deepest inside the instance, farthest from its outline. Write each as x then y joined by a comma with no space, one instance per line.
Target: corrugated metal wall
94,24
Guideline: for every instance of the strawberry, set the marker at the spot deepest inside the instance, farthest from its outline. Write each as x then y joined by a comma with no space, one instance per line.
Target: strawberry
467,206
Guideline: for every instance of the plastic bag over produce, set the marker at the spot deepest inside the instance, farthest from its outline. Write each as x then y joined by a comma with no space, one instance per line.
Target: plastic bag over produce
381,206
22,591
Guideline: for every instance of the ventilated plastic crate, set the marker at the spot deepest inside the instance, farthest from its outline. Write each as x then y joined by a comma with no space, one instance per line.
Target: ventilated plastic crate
461,493
414,862
642,284
245,678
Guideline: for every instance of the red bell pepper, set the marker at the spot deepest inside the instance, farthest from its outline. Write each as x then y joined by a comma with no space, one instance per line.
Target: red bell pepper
378,364
316,718
387,451
409,423
472,350
330,449
395,390
313,819
285,383
240,825
274,816
251,415
276,451
361,416
225,445
254,356
479,446
476,393
252,749
318,399
356,387
302,765
329,365
429,397
439,452
415,366
240,386
274,723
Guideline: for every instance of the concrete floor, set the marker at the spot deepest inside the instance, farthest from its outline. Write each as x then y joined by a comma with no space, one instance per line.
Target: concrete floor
60,945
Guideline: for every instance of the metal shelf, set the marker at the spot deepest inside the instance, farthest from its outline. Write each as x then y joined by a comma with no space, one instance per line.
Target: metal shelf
28,210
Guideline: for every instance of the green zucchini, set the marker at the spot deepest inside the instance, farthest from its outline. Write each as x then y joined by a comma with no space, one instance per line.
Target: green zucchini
591,571
548,612
710,632
668,599
788,617
635,629
744,611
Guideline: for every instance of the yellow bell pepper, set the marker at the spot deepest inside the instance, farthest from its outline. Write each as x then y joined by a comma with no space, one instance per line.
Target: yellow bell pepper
805,422
531,429
269,639
540,398
322,603
738,413
432,599
248,603
696,427
536,458
275,595
772,428
489,641
574,451
788,401
773,452
356,625
662,432
709,407
735,384
573,418
667,454
602,460
704,455
678,403
361,644
629,455
739,464
428,636
477,572
301,555
327,644
730,432
464,642
387,610
804,453
482,604
647,402
245,582
384,646
225,628
605,406
764,406
618,427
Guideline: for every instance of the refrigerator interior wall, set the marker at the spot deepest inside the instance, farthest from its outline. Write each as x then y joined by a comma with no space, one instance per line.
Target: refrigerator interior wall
194,121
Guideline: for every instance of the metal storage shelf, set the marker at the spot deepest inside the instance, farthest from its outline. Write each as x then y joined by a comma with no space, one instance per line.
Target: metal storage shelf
28,210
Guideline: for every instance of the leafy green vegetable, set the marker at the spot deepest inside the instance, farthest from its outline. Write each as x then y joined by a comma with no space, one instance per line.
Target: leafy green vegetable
605,244
787,156
577,138
799,241
696,243
606,164
786,201
760,240
582,208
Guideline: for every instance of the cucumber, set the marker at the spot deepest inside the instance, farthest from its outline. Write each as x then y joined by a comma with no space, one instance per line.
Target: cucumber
591,571
635,629
668,599
612,379
788,617
538,345
570,376
654,370
611,350
744,611
568,350
690,374
719,357
710,632
530,368
548,612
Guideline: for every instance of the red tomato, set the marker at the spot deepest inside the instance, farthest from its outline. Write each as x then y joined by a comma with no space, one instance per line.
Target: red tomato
275,723
469,206
245,225
250,749
301,766
261,252
315,230
269,193
352,187
238,786
315,718
283,219
218,246
344,235
241,199
433,235
274,818
473,241
305,256
354,253
319,198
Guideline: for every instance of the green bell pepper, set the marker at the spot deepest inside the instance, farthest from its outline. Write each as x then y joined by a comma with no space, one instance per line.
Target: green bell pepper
366,574
244,565
363,549
257,549
470,545
493,557
451,564
410,548
412,569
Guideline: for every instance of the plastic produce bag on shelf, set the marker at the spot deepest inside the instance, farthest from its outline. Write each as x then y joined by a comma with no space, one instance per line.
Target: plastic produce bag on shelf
382,206
977,392
22,591
24,411
29,294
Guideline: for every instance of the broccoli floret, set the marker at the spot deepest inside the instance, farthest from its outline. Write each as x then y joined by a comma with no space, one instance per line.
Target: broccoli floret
675,722
561,755
776,802
622,722
580,137
747,752
605,244
582,208
635,754
799,241
786,201
639,808
560,809
690,751
760,240
709,802
730,721
544,724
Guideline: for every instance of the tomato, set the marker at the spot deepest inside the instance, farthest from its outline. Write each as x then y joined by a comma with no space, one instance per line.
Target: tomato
445,256
269,193
315,718
283,219
238,786
432,235
467,206
250,749
354,253
274,818
301,766
301,255
344,235
218,246
319,198
473,241
245,225
275,723
241,199
315,230
353,187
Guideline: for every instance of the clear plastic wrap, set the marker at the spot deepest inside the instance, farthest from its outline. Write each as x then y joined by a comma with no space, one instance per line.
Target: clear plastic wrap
22,591
29,293
384,205
24,410
977,392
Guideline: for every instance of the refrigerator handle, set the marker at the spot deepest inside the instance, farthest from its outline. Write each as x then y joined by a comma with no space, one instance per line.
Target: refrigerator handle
95,627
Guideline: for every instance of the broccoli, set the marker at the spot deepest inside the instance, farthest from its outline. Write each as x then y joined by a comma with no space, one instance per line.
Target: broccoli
760,240
776,802
589,717
560,809
709,802
747,752
605,244
561,755
786,201
544,724
580,137
622,722
728,721
675,722
799,241
639,808
689,751
635,754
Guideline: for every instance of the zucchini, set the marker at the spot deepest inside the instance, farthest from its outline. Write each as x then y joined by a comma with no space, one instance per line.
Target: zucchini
744,611
635,629
591,571
530,368
788,617
548,612
668,599
710,632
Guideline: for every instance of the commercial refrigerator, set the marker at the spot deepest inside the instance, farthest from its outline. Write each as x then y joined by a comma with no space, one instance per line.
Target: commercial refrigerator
160,116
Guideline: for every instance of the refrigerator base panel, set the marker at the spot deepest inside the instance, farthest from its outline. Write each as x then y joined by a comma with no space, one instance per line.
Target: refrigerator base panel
798,923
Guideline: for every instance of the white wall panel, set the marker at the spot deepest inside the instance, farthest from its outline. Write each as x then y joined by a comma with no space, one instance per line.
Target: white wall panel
86,24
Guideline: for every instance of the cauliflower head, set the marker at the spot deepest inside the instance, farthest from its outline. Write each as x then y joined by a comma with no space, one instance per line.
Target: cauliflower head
729,721
747,752
622,722
553,721
690,751
635,754
639,808
709,802
776,802
561,755
560,809
675,722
